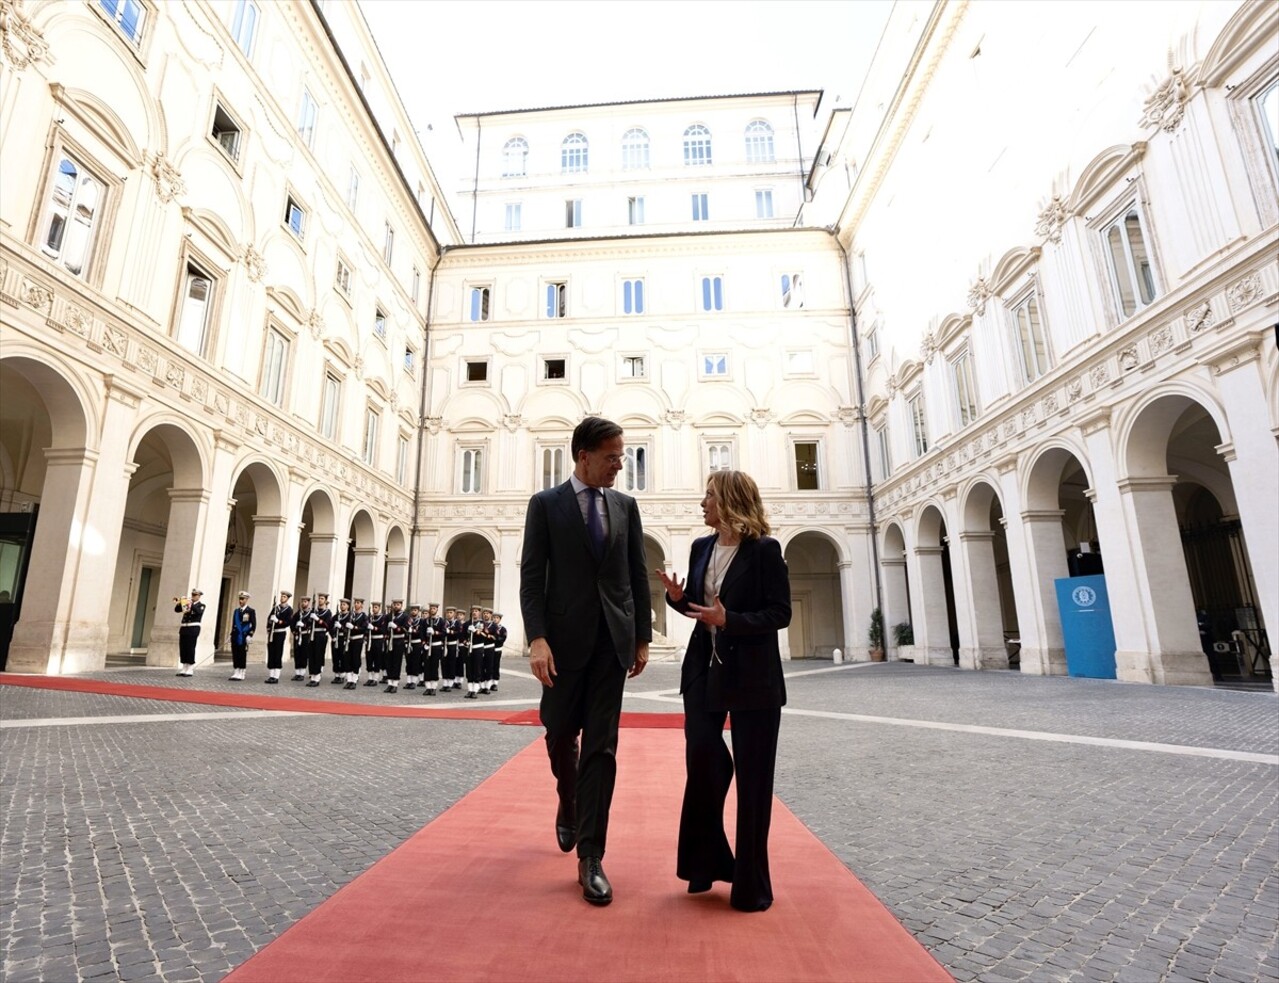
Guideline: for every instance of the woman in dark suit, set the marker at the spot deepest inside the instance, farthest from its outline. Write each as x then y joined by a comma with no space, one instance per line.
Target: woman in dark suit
738,590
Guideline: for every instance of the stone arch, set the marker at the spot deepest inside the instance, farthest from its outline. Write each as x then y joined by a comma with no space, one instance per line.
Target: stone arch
1146,427
547,404
989,618
936,623
1041,477
189,458
632,401
896,585
60,392
1247,28
1100,174
815,561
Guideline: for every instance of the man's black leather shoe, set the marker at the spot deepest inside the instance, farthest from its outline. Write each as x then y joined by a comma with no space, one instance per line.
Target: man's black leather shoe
595,886
565,827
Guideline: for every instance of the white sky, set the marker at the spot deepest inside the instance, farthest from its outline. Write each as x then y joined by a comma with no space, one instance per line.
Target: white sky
462,56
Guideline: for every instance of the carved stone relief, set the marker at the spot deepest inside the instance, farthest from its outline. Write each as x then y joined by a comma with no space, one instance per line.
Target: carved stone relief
1052,218
1165,107
1244,292
1200,318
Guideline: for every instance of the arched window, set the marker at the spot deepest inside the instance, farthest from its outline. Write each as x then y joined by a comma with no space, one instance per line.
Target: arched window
697,145
635,150
759,142
573,153
515,157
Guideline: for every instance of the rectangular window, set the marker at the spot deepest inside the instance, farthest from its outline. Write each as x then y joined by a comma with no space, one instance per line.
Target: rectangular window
632,296
275,357
965,388
553,472
127,15
701,210
918,425
632,367
368,452
872,342
554,369
719,456
573,213
480,310
764,203
557,299
295,217
806,476
472,460
635,210
408,360
244,24
226,132
1031,343
477,371
1132,274
715,365
885,458
712,293
343,280
1268,107
792,291
513,217
352,188
635,469
329,397
307,115
70,223
379,323
197,304
415,289
388,244
402,459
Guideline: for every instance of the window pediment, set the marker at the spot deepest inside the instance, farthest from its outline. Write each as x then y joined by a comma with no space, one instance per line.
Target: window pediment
1100,175
100,118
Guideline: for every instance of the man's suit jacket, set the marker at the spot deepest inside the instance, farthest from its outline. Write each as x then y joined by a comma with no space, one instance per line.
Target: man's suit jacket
565,590
756,596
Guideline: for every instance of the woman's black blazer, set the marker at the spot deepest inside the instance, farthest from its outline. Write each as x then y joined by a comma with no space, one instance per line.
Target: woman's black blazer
747,675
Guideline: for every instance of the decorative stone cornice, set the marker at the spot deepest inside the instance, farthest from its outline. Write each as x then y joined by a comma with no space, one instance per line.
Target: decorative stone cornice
1095,422
22,43
168,182
1165,107
1052,219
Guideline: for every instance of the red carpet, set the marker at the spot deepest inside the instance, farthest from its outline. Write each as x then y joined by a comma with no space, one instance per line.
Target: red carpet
483,893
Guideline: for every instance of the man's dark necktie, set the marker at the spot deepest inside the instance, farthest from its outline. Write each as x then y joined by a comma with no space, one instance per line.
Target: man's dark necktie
594,524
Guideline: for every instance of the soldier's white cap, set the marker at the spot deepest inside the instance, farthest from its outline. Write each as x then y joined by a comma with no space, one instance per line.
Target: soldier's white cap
195,590
344,600
398,600
287,593
358,600
497,614
245,593
434,604
322,593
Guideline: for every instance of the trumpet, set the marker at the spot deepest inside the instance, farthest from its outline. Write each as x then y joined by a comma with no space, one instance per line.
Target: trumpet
181,600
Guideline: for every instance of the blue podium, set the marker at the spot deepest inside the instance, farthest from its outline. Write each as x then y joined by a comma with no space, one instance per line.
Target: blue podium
1084,606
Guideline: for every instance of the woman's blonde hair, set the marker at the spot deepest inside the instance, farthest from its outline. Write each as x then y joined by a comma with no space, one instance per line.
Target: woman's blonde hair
740,507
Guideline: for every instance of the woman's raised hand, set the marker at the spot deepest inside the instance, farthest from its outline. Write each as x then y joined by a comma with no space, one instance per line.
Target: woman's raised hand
674,586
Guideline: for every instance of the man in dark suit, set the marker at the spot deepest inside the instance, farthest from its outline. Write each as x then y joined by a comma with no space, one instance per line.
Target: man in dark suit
585,599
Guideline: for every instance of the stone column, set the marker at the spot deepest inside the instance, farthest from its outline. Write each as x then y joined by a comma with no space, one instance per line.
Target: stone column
366,562
506,587
679,629
188,508
209,549
896,600
397,571
853,644
1023,582
265,578
1172,634
1043,650
981,630
322,572
61,536
932,632
1253,459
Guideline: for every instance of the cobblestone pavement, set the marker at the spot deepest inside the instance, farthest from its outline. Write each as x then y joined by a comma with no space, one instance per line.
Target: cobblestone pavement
172,849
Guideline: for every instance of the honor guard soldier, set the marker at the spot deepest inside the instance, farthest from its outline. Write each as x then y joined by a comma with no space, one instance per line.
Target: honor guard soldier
474,634
244,622
324,628
192,610
486,666
277,633
498,631
433,626
377,644
341,640
452,642
413,655
397,630
303,630
359,633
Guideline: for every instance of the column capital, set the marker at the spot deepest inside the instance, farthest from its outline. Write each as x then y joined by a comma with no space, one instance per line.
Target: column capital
223,440
122,393
268,520
366,551
1042,515
929,550
68,456
324,537
1227,451
198,495
977,536
1146,483
1095,422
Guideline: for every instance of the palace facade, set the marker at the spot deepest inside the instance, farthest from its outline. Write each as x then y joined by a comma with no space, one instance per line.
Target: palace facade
1006,316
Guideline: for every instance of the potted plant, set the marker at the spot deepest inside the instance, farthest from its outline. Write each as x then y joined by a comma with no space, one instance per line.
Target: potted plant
875,636
903,633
